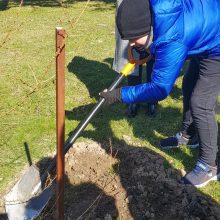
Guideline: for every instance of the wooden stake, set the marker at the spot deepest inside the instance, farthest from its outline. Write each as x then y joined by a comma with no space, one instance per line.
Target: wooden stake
60,120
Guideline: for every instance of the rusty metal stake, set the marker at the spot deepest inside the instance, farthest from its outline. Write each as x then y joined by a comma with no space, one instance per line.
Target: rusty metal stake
60,118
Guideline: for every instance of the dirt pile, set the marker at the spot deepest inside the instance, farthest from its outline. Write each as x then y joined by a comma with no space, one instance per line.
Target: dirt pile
124,182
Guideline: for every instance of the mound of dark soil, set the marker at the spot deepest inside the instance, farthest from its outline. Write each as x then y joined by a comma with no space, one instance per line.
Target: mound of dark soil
125,183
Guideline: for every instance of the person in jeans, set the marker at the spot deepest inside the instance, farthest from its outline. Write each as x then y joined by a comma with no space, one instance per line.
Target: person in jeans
181,28
135,77
188,135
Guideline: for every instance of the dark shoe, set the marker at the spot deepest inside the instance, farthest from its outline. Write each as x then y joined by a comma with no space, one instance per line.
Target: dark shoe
201,175
132,110
151,109
177,140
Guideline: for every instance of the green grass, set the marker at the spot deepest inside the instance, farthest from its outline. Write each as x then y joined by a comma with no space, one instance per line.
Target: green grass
27,104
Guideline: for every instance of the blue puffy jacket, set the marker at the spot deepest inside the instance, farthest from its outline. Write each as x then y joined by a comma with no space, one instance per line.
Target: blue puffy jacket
181,28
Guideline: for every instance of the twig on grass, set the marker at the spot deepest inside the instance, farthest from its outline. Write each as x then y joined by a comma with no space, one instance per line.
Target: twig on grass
35,78
9,33
80,15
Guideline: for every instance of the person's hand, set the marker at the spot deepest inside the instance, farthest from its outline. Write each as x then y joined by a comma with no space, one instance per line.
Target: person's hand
111,96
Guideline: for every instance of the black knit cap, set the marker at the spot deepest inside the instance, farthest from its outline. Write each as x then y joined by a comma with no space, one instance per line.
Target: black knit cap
133,19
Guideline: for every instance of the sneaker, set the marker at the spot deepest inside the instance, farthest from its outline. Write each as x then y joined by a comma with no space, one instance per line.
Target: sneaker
201,175
177,140
132,110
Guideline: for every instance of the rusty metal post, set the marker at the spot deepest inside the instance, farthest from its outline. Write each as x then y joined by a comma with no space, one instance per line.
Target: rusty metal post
60,118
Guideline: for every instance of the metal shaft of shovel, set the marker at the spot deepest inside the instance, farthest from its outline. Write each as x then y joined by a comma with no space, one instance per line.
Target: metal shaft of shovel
60,120
69,142
124,72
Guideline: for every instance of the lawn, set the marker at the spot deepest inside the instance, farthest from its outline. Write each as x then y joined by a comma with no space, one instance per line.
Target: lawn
27,84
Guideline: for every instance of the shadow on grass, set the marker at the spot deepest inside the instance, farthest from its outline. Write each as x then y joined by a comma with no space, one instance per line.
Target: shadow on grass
27,151
95,75
4,5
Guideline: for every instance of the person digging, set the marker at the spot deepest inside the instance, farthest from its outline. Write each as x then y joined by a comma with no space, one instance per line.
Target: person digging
173,30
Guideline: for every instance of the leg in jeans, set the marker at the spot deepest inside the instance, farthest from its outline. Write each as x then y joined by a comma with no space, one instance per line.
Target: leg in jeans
188,84
203,102
188,134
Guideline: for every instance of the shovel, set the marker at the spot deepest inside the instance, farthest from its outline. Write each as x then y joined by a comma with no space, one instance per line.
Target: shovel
30,194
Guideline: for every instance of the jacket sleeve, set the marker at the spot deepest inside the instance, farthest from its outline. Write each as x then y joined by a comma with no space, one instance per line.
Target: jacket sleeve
169,59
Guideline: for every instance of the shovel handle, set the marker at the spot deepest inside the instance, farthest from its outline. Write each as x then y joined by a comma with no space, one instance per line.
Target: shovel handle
91,114
124,72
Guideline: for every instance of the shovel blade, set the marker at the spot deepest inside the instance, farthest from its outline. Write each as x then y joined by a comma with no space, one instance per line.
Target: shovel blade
21,203
31,209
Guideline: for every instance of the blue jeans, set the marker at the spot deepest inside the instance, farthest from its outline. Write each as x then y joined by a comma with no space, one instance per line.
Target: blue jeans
201,86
